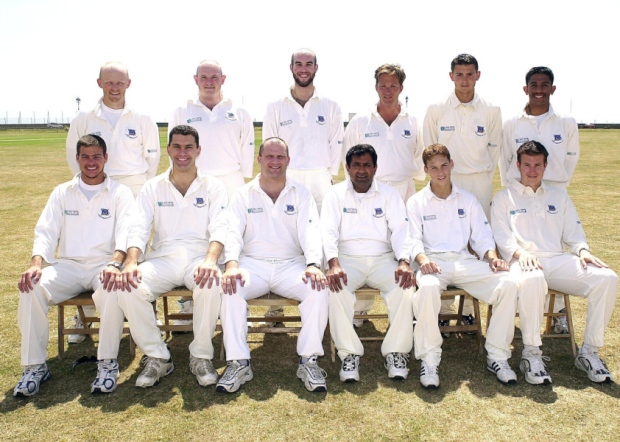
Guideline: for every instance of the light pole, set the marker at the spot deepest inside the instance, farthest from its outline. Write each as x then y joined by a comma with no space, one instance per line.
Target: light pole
78,100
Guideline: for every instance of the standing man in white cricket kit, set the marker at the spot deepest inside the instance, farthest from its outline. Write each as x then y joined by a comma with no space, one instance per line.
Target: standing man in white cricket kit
539,122
310,124
534,223
226,132
471,128
131,137
394,133
445,260
87,219
186,210
274,244
366,242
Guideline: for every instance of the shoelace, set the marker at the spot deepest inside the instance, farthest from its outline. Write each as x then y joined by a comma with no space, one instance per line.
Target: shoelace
151,366
537,366
597,364
349,363
106,366
429,369
400,360
314,370
233,366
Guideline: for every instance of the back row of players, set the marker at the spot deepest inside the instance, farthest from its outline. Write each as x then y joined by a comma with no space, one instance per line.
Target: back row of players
273,237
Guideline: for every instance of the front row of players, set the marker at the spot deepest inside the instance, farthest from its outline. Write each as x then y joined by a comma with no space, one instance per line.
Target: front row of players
270,239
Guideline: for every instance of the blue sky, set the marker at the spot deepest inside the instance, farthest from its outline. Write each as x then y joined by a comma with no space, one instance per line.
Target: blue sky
52,51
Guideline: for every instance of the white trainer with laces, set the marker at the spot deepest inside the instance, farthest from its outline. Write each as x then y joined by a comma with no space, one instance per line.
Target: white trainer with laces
350,370
594,366
107,375
429,375
312,375
502,370
396,364
234,377
204,370
154,370
32,378
77,323
533,367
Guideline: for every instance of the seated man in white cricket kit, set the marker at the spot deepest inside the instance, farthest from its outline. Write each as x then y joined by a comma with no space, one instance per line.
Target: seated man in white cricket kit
534,225
443,220
187,211
87,219
366,242
274,244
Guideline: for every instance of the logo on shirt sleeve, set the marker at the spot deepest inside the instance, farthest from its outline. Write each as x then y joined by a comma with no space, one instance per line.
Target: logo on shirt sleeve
551,209
290,209
200,202
131,133
557,138
320,119
105,213
480,131
406,133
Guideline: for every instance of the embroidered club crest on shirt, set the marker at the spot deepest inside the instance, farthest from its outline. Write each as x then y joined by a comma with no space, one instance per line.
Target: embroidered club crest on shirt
551,209
200,202
557,138
320,119
461,213
406,133
290,209
230,116
131,133
480,131
378,212
105,213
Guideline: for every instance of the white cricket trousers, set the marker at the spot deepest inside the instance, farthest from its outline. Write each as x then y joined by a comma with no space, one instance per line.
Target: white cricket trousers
160,275
134,182
232,181
282,277
376,272
59,282
565,274
465,272
317,181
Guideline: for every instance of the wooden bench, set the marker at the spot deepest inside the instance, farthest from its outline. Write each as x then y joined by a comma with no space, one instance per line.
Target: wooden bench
549,315
368,293
80,301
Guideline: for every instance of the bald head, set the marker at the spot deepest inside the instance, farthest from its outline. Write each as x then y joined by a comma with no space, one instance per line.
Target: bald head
303,51
209,64
114,80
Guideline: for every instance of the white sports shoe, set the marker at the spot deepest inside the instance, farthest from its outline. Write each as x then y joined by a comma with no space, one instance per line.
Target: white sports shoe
350,369
185,306
358,323
312,375
155,369
429,375
203,369
77,323
533,367
234,377
32,378
502,370
396,364
594,366
107,375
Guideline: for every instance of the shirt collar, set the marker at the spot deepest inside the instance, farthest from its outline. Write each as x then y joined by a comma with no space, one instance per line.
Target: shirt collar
550,112
526,190
428,193
289,94
75,182
455,102
290,184
374,188
99,107
197,102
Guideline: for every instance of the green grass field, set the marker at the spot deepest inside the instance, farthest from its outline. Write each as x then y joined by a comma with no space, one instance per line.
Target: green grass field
470,405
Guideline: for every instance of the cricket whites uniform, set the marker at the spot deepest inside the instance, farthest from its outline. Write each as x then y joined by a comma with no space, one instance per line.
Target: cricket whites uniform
472,132
369,234
274,243
226,140
86,234
558,134
461,215
398,147
545,223
132,144
183,228
314,137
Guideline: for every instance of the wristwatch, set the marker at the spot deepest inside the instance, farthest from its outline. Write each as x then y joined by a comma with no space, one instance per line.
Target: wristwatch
115,264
